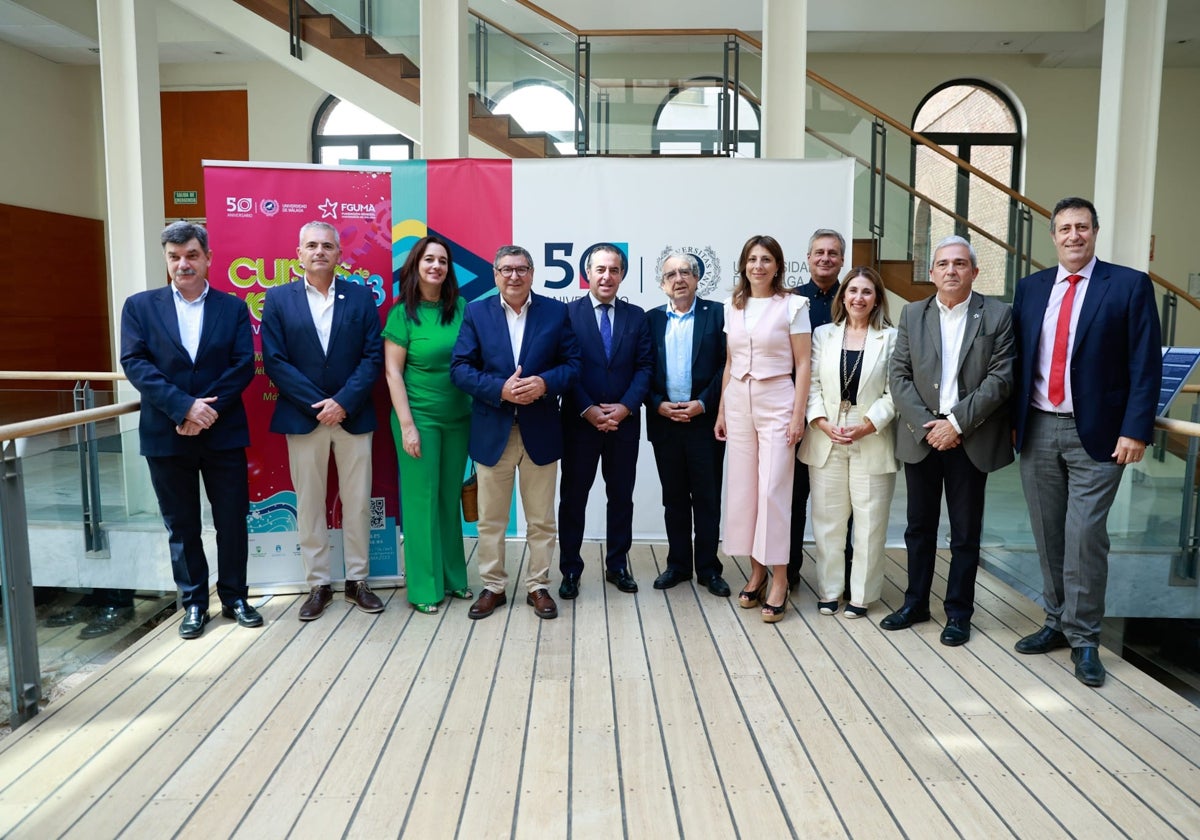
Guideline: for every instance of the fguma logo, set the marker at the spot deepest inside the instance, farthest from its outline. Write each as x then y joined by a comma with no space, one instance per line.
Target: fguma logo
331,209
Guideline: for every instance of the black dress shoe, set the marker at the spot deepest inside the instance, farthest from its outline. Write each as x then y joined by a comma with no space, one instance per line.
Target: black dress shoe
717,586
77,614
1088,669
107,620
671,577
568,590
245,614
622,580
194,619
904,617
956,632
1043,641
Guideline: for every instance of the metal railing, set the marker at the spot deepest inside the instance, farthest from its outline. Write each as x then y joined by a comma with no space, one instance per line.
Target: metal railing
16,570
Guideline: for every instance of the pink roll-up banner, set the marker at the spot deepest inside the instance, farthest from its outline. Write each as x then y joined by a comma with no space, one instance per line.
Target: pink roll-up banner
255,213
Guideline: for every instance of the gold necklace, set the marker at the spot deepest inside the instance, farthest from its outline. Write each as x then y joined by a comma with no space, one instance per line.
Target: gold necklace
847,377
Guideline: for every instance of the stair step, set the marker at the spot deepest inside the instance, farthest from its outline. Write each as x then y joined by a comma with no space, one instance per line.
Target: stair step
399,74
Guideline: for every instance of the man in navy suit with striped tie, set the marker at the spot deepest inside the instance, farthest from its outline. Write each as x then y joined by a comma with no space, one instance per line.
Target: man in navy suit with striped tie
602,420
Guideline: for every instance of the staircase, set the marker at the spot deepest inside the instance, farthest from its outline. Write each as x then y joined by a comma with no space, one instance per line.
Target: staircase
398,74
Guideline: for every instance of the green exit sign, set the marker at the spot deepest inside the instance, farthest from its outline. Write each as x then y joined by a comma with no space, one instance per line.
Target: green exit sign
185,197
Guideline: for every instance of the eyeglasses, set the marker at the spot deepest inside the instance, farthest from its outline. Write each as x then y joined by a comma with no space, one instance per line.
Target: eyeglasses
679,272
519,270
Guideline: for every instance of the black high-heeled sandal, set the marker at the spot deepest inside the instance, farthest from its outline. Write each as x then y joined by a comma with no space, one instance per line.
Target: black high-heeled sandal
748,599
772,613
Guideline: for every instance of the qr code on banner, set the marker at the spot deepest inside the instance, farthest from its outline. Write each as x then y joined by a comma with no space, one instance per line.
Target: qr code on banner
377,514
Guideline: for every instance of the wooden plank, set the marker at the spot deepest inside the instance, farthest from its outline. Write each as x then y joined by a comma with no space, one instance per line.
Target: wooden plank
646,793
235,757
754,750
331,805
594,791
701,807
493,787
670,712
136,725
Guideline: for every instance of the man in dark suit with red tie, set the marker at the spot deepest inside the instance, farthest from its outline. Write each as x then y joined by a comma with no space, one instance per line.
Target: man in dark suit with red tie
602,419
188,351
688,335
1089,370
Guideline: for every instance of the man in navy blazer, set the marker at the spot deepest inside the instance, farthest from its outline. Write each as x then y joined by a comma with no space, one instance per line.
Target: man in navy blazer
602,419
1089,370
688,336
188,351
323,351
516,355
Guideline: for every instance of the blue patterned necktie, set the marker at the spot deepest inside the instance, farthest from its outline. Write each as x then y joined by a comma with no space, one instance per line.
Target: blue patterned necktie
606,329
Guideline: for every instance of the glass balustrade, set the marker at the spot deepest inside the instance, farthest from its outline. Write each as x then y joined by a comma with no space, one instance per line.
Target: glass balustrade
523,66
98,559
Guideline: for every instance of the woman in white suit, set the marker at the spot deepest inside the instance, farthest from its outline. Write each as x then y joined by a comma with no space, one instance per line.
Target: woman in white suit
850,446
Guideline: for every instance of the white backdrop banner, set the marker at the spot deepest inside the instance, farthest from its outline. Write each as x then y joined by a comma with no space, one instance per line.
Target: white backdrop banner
651,207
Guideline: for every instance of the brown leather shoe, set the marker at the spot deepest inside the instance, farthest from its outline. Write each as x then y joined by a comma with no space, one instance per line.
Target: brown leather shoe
486,604
542,603
359,594
317,601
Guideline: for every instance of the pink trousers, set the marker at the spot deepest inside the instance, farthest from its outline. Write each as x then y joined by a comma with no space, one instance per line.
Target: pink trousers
760,469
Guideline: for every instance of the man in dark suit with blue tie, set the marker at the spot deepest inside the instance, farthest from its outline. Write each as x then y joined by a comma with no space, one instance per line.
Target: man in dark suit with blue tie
602,419
1089,370
323,350
188,351
516,355
688,336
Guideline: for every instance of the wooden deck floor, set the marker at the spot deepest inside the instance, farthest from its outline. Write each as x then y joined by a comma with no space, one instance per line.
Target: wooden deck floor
660,715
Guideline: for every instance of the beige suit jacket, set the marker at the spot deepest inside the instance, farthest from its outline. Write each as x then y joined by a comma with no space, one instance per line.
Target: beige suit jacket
874,398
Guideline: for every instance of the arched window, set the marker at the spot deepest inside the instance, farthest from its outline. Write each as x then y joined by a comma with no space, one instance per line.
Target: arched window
538,105
978,123
343,131
689,121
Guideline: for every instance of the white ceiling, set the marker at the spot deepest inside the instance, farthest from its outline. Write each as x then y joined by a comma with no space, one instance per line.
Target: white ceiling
1066,33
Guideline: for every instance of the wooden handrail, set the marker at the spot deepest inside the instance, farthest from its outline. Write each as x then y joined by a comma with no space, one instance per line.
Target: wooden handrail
1178,427
946,211
58,422
62,375
557,21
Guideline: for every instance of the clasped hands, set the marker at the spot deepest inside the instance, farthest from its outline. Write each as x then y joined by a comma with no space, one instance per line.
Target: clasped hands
845,435
606,416
200,416
680,412
941,434
522,390
329,413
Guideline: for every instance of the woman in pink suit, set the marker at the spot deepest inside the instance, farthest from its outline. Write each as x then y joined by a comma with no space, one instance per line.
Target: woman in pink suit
765,391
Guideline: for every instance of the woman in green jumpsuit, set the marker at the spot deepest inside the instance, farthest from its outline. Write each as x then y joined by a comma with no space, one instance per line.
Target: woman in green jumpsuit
430,423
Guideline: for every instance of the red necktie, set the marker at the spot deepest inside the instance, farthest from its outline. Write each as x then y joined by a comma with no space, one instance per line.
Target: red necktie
1058,361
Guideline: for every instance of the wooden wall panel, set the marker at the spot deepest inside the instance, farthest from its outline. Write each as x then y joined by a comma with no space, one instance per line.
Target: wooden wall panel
54,311
199,125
